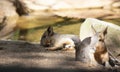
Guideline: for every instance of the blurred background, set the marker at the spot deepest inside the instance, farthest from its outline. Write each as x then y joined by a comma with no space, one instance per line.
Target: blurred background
28,19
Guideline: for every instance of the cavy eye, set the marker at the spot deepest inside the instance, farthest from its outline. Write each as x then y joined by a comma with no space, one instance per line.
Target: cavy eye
44,36
101,40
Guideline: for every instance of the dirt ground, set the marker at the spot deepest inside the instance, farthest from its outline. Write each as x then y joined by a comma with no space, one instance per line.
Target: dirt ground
25,57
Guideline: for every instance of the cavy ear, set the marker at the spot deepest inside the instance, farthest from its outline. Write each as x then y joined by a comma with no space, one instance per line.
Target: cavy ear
105,31
50,31
93,29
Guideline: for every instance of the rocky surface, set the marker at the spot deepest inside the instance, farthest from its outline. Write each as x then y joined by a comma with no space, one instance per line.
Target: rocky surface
112,39
55,7
9,11
70,4
89,13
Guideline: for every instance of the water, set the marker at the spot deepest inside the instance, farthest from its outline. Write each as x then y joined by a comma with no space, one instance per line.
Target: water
30,28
